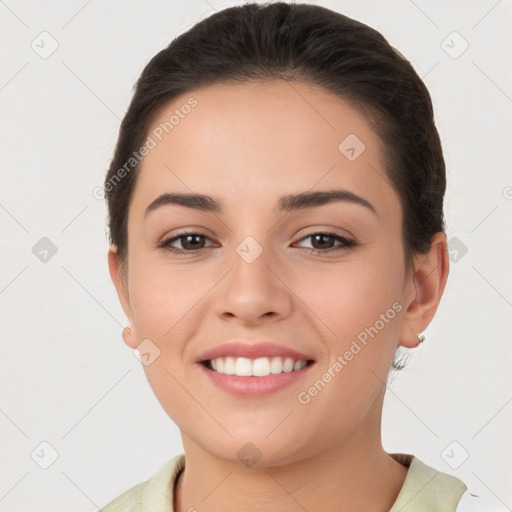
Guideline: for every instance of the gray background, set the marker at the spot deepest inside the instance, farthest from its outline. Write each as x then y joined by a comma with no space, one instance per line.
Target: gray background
67,378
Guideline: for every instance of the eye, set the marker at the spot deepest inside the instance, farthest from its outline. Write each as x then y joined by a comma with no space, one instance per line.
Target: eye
190,242
321,243
324,242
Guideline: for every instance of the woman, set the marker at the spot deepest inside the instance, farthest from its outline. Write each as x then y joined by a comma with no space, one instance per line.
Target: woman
276,220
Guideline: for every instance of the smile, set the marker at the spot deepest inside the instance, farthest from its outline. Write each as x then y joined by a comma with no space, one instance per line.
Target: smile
260,367
253,378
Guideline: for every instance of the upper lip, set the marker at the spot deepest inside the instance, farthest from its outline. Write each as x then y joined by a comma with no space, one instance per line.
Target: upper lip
252,351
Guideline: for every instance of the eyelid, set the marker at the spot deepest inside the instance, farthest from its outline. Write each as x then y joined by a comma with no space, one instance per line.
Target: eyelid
166,241
344,244
192,230
326,230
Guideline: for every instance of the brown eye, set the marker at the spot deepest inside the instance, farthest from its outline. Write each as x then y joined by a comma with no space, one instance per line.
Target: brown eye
326,242
322,241
190,242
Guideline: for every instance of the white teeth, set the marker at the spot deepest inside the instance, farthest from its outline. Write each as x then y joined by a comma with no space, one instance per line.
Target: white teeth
288,365
243,367
261,367
276,365
229,365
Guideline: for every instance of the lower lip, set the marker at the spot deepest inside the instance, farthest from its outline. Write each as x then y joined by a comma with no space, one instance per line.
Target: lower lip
255,386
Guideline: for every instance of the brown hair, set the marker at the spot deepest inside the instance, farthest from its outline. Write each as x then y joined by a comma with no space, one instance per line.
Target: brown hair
305,43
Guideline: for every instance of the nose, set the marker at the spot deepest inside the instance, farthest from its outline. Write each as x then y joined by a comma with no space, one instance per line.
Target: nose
254,292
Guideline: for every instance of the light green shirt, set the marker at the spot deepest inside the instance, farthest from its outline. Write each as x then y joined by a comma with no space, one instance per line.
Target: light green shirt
424,490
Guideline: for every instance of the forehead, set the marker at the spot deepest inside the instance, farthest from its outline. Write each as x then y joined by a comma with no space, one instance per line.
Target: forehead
258,140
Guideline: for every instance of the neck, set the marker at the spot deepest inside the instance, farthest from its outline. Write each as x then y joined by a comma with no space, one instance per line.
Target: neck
341,479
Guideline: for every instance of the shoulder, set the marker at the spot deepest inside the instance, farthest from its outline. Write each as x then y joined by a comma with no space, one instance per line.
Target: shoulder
426,489
129,501
473,503
153,494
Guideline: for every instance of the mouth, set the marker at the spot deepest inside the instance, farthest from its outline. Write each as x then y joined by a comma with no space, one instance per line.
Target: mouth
255,378
257,367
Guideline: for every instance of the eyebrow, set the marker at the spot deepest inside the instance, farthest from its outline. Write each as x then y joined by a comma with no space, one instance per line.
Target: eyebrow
287,203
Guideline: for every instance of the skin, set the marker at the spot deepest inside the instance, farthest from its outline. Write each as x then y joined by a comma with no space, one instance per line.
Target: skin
248,145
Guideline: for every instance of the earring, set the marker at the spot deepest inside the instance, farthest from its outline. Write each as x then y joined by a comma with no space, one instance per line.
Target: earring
421,338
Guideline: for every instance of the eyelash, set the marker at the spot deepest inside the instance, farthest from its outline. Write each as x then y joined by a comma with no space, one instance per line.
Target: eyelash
347,243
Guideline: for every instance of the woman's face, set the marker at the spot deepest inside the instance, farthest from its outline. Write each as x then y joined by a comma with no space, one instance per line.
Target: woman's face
251,275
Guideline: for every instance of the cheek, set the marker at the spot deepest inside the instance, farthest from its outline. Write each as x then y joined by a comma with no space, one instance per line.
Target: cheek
357,308
163,304
162,294
353,294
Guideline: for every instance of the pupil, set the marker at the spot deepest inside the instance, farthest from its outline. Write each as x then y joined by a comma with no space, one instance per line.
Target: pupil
324,237
187,240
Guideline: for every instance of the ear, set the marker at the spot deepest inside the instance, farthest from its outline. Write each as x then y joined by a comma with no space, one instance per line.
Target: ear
120,282
425,288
